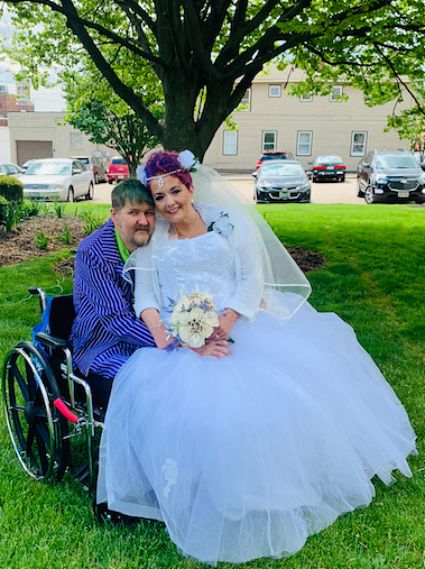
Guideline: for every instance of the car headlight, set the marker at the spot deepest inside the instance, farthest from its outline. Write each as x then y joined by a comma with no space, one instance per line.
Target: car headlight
303,188
381,179
422,178
266,185
56,187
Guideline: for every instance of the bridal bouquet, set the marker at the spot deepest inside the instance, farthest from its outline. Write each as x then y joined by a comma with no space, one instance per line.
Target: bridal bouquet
193,319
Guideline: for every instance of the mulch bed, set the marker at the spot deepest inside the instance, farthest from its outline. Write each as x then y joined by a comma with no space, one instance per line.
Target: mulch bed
21,244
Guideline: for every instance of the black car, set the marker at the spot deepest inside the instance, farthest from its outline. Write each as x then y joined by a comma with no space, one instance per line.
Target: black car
390,177
281,181
328,167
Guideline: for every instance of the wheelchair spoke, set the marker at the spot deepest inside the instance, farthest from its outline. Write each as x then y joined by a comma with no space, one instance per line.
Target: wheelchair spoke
30,439
42,450
20,381
31,382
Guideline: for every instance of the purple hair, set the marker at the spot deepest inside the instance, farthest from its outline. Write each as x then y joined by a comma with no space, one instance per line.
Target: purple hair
163,162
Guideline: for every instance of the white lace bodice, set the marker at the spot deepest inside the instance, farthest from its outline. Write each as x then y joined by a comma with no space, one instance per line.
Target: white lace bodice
204,263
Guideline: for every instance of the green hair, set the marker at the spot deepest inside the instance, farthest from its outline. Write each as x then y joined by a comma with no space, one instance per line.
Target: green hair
132,191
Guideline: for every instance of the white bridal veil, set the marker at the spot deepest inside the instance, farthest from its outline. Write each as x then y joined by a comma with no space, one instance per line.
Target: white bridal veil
286,287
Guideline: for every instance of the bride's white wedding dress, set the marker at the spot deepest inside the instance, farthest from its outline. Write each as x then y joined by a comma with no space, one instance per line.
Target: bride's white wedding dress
246,456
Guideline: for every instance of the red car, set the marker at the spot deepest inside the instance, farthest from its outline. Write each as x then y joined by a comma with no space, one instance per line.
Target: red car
274,155
117,170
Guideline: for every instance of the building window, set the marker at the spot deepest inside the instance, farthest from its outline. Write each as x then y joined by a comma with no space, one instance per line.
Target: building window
336,94
76,139
306,98
269,140
4,89
358,143
245,104
275,91
230,142
23,92
304,142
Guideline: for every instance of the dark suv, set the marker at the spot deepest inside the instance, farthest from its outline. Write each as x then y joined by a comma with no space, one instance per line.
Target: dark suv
390,176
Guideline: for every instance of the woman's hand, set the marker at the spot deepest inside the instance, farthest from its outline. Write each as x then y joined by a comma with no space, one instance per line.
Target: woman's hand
226,322
215,348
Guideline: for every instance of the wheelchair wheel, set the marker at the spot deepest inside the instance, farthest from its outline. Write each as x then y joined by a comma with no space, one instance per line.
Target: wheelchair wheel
37,430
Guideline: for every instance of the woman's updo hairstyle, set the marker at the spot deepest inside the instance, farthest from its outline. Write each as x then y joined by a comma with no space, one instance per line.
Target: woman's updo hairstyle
166,162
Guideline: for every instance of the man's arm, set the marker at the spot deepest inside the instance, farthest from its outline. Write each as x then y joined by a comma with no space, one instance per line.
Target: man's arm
101,286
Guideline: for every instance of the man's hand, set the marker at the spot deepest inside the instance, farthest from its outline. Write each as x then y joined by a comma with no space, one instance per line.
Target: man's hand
215,348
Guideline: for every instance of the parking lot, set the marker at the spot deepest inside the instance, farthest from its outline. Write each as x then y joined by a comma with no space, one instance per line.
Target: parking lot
322,192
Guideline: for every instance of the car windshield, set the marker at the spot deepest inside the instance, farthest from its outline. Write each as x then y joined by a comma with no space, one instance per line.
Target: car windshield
118,161
273,157
84,160
328,160
396,162
269,170
49,169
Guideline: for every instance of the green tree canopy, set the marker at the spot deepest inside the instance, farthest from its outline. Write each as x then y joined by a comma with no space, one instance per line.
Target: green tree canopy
205,53
94,108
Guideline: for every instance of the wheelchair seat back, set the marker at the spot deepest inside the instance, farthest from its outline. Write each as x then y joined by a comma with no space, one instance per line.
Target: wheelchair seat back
62,316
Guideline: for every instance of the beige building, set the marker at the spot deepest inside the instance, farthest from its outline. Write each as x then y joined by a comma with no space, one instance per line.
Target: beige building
271,119
45,135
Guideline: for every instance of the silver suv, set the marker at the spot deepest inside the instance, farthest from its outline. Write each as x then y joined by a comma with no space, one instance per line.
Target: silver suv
390,177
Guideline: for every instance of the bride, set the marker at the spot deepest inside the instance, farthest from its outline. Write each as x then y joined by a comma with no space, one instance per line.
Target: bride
274,427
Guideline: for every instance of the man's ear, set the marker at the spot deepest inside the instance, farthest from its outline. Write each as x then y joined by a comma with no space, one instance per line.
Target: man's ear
114,215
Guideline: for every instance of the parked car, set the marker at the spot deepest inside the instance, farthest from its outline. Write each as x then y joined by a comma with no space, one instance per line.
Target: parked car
117,169
28,163
273,155
390,176
328,167
96,165
11,169
58,179
281,181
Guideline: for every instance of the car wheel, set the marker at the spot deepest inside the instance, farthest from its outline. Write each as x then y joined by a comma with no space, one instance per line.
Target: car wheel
314,179
342,179
369,196
96,178
110,180
71,197
90,193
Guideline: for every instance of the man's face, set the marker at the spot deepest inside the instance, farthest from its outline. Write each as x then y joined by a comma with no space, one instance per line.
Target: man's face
135,223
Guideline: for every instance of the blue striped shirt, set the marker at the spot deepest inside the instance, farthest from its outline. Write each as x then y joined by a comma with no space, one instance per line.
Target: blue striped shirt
106,330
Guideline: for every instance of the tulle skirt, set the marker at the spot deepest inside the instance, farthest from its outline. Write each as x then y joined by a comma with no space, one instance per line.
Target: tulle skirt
246,456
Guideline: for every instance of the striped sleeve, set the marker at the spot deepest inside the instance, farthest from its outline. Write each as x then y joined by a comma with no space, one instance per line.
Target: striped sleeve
114,312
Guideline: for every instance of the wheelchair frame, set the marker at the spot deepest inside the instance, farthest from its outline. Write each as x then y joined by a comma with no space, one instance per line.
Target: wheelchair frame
44,409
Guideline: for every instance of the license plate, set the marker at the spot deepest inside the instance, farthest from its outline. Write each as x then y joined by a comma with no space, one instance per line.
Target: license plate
283,195
403,194
329,167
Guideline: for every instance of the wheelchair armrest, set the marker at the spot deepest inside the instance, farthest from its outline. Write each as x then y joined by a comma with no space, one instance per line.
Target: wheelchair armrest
51,341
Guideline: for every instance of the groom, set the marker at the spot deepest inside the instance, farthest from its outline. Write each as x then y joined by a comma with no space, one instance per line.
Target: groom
106,330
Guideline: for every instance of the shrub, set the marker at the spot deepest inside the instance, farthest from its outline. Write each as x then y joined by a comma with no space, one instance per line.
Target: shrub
58,210
30,208
10,213
11,188
66,235
41,240
92,220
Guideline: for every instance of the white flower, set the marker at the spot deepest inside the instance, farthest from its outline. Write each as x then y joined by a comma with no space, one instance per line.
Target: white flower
193,319
186,159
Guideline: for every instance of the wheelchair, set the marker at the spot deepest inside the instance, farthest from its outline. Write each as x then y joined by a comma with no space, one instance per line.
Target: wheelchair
46,404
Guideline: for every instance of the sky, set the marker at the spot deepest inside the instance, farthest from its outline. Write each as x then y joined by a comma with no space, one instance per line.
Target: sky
44,99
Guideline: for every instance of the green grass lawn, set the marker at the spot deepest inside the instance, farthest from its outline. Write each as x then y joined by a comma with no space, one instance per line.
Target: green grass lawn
374,279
